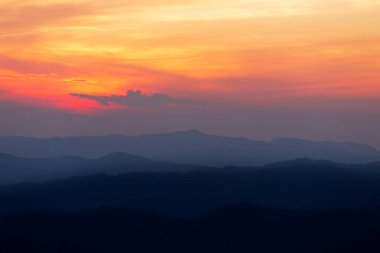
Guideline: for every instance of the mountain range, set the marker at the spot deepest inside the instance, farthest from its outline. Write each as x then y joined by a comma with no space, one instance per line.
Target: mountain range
187,192
191,147
15,169
300,184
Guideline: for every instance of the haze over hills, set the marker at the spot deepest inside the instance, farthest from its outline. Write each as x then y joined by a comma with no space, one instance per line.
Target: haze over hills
20,169
300,184
191,147
15,169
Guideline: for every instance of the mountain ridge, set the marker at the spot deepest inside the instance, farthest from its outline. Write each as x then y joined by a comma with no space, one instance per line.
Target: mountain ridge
312,186
191,147
14,169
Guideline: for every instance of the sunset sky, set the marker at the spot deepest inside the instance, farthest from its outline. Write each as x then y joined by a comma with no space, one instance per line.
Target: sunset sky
254,68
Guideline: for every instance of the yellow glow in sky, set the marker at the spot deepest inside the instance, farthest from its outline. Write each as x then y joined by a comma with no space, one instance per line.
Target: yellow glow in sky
271,50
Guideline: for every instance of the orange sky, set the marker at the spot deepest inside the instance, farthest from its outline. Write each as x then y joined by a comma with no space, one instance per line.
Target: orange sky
241,51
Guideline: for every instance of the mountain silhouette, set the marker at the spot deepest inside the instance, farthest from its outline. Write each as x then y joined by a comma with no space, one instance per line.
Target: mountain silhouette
15,169
299,185
191,147
19,169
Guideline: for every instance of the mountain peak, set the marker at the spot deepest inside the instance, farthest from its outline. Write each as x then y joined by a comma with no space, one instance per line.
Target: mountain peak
190,132
302,161
122,156
290,141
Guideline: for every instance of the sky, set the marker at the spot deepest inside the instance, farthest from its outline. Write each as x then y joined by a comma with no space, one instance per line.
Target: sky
260,69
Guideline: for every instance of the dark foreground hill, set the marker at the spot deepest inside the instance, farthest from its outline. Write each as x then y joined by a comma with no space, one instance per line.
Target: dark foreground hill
300,185
231,229
191,147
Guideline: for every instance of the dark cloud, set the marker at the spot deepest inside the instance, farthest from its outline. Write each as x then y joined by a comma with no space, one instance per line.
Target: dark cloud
80,80
7,76
133,98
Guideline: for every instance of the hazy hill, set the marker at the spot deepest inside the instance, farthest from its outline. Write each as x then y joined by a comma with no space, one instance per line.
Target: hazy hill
15,169
297,185
191,147
19,169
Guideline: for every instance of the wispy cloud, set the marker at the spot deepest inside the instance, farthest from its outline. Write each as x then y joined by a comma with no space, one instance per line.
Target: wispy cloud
16,17
27,66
